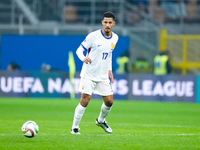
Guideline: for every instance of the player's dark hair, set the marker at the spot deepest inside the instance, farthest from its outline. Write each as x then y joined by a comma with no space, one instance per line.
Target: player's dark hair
109,14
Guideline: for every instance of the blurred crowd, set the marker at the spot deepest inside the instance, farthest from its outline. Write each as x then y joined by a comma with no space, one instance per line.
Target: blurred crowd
169,9
87,11
160,10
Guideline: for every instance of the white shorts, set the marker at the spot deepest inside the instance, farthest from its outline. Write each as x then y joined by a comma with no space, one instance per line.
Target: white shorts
102,88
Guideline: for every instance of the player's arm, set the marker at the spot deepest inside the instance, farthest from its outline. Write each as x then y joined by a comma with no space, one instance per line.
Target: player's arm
87,43
110,74
79,53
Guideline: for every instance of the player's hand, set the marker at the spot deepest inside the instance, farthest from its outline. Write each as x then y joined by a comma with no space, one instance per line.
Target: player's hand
110,74
87,60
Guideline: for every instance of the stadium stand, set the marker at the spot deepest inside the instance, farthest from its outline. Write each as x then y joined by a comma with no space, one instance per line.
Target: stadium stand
138,19
129,12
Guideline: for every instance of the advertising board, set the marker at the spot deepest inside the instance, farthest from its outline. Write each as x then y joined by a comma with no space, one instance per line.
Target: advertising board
147,87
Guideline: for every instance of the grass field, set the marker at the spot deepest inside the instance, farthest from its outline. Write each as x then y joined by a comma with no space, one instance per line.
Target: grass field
136,125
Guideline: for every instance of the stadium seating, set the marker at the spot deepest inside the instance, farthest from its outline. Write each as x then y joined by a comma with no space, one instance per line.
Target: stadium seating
80,17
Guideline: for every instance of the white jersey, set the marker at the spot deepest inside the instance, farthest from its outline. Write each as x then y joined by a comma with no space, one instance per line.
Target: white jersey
99,49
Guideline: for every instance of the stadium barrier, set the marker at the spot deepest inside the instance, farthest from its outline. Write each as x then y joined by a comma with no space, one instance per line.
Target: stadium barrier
143,87
31,51
184,50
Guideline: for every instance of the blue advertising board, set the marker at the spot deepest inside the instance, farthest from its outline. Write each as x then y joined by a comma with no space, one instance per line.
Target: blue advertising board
144,87
31,51
198,89
52,84
170,88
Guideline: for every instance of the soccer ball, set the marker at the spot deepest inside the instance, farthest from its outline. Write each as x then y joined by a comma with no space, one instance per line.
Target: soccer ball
30,129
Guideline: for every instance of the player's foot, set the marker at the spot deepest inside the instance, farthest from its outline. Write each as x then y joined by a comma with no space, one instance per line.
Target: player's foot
75,131
104,126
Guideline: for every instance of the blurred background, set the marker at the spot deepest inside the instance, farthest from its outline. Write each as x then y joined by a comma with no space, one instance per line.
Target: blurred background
37,35
139,20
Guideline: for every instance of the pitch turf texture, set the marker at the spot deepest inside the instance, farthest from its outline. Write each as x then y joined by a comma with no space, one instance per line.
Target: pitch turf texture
136,125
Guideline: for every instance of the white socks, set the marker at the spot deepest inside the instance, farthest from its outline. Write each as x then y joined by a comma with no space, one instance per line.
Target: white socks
79,111
104,112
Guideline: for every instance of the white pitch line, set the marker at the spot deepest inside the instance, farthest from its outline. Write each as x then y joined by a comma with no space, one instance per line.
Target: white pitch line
177,126
113,134
156,125
183,134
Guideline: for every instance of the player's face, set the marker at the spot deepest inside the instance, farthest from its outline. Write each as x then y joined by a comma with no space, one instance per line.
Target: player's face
108,24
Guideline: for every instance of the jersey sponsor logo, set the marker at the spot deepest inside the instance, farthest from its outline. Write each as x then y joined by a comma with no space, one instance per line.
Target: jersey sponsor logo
98,45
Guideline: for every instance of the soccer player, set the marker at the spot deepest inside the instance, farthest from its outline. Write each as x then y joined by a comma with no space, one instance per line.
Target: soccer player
96,71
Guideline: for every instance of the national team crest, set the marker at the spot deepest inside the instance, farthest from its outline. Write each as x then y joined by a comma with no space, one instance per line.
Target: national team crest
112,46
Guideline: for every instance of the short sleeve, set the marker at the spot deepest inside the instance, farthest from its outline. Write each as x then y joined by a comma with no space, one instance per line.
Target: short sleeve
87,43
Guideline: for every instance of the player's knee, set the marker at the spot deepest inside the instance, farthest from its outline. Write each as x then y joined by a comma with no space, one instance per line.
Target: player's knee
109,103
108,100
85,98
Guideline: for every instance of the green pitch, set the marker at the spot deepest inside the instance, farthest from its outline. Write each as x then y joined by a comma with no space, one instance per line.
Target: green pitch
136,125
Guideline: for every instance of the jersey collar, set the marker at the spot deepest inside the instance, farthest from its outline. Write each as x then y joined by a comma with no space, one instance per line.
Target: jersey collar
105,36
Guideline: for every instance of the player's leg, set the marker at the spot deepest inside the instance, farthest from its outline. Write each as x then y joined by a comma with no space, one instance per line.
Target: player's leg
104,89
79,111
86,86
105,109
